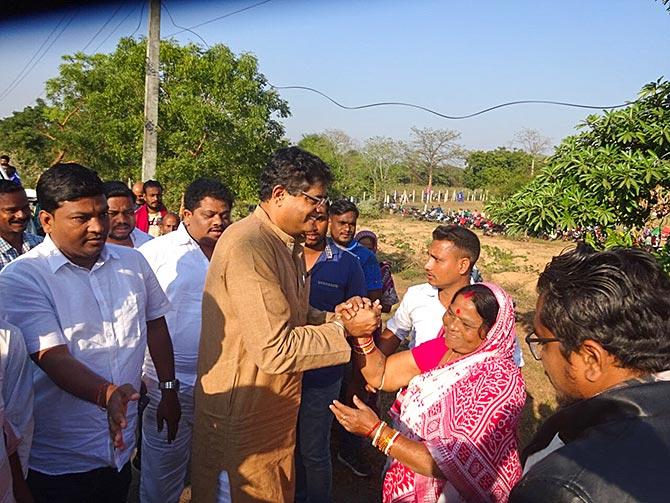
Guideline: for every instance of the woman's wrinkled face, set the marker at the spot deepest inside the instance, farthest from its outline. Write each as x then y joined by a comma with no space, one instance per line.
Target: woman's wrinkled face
464,329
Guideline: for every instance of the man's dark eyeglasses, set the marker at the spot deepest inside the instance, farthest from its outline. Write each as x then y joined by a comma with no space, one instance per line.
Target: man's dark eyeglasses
318,201
535,344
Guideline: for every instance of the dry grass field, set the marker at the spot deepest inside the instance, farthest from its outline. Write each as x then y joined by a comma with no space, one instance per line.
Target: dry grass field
513,264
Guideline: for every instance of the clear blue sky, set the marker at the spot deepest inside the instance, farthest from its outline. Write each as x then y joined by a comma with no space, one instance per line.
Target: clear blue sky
453,56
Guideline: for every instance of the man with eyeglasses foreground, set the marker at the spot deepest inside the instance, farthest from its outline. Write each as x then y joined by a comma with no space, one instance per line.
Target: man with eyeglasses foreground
259,335
601,331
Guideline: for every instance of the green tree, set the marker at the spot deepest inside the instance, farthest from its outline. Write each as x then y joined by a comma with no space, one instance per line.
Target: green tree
27,141
217,115
605,176
339,151
501,171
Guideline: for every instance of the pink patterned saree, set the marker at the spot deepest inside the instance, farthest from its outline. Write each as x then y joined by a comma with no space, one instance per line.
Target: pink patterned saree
466,413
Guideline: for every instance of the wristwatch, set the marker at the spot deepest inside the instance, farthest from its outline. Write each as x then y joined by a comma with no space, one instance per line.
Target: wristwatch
173,384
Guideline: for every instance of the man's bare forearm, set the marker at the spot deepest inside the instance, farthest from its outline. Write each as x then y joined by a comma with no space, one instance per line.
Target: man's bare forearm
160,349
71,375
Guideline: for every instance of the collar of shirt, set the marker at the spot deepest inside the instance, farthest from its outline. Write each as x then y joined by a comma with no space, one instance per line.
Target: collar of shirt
330,252
182,237
56,259
261,215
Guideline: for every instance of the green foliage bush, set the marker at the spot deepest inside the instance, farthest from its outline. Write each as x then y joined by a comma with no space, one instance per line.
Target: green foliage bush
605,176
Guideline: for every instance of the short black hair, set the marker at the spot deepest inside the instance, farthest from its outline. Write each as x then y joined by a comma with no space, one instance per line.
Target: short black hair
4,156
9,187
619,298
201,188
152,183
295,169
484,300
464,239
67,182
116,188
342,206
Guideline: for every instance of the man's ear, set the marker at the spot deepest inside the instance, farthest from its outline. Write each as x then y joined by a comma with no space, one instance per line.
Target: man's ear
463,265
278,192
593,359
187,217
46,220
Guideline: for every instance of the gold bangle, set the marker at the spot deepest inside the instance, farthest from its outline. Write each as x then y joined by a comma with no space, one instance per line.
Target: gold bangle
391,442
383,443
375,439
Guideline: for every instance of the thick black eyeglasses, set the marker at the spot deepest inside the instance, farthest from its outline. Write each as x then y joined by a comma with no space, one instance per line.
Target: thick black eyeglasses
318,201
535,344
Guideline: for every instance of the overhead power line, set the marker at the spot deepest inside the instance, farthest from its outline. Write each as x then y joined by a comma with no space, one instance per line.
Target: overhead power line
451,117
164,5
25,67
401,103
139,21
132,9
218,18
109,20
29,67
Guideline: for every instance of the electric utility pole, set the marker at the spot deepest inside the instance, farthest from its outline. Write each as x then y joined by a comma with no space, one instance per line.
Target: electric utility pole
151,83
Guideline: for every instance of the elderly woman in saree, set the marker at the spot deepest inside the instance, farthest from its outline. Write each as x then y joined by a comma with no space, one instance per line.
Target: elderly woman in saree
454,426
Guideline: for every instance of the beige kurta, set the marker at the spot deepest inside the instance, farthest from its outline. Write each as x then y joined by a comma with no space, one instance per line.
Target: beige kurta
253,349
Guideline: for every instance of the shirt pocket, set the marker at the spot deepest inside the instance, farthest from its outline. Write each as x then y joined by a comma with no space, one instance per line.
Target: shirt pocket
129,321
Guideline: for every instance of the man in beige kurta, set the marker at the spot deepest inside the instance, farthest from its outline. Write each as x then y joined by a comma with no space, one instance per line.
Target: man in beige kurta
255,344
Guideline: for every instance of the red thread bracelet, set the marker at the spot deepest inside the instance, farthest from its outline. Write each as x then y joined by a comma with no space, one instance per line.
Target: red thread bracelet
367,435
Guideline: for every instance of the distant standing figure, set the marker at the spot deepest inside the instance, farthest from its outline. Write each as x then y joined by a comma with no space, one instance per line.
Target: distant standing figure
389,295
7,171
138,193
150,215
170,223
122,229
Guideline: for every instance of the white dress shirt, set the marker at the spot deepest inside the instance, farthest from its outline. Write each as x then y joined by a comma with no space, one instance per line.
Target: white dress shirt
419,315
139,237
181,268
101,316
16,404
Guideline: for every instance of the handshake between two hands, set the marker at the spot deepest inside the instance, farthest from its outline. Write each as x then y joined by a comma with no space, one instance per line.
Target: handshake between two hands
360,316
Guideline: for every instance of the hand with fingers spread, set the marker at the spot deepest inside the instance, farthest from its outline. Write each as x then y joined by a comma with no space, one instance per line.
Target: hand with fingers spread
359,420
117,401
169,412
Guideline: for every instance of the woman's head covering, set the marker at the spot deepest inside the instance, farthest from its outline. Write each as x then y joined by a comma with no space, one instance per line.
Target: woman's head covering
500,339
366,233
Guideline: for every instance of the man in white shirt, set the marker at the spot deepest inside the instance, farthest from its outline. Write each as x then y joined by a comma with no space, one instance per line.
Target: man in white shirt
451,257
180,260
16,414
87,311
122,229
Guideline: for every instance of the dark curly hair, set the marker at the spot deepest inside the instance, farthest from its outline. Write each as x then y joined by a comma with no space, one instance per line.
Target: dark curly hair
200,188
295,169
619,298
